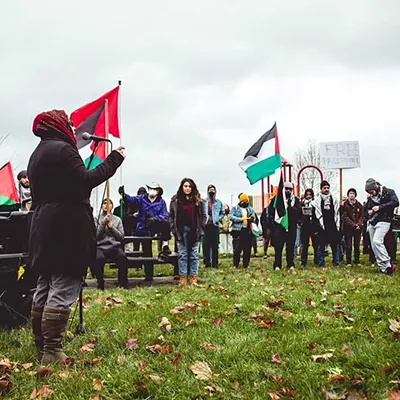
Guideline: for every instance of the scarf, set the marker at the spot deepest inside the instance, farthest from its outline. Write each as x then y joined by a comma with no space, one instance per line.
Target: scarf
56,121
327,201
290,200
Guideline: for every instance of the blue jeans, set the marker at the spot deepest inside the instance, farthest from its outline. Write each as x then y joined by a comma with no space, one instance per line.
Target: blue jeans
188,254
321,254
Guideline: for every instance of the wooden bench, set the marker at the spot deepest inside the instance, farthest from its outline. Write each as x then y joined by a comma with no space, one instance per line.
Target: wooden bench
138,259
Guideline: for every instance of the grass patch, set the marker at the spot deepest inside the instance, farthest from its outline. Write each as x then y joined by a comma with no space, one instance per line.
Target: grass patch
256,329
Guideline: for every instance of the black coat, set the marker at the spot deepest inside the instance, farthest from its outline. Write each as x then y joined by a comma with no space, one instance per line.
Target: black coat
63,234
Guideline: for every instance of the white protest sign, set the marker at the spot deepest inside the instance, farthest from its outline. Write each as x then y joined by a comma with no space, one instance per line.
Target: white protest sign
340,155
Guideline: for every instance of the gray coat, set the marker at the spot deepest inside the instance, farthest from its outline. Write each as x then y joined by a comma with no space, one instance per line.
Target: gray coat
109,238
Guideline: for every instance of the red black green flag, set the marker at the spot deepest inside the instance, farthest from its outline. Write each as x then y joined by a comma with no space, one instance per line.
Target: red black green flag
8,191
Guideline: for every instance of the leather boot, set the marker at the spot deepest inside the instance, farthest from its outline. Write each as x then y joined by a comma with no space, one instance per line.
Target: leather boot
36,319
193,280
182,280
54,322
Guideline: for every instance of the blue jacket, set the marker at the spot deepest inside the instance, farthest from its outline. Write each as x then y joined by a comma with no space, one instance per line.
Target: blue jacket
236,214
217,211
157,209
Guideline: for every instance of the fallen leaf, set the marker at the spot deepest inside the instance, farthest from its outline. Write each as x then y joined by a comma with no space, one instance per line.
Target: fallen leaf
116,300
87,348
97,397
191,307
274,395
334,378
204,302
97,384
394,395
347,350
201,370
130,331
309,302
165,324
142,365
276,303
395,382
44,392
175,311
312,346
141,386
190,322
264,323
155,379
131,344
230,311
370,333
269,340
157,348
276,358
323,357
394,326
5,383
355,396
333,396
212,389
63,375
177,360
347,318
27,366
217,322
43,372
287,392
210,347
5,365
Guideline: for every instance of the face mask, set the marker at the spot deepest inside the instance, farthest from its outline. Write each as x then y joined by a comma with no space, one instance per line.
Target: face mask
244,204
153,193
211,194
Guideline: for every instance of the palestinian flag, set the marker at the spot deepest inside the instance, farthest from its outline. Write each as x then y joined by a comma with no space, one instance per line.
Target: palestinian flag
263,158
280,205
8,191
91,118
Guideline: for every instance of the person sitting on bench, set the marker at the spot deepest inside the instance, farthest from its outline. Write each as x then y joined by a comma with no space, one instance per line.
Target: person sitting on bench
152,217
110,235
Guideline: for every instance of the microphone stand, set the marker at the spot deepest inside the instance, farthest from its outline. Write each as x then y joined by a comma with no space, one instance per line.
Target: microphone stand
80,328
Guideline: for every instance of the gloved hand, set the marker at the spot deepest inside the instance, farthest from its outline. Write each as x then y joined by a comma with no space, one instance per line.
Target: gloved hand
149,220
121,191
244,218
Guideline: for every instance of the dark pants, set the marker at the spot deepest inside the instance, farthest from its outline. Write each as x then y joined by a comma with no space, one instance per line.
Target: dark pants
254,245
307,234
323,239
279,241
113,255
162,228
242,241
350,237
210,246
367,248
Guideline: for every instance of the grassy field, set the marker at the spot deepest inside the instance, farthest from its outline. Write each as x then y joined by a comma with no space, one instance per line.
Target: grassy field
245,334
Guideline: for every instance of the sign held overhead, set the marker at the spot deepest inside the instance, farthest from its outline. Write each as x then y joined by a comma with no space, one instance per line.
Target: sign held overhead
340,155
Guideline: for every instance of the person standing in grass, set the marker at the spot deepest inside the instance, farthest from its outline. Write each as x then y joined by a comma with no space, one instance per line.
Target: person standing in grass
225,237
327,220
62,238
380,210
353,221
308,228
215,213
242,215
187,219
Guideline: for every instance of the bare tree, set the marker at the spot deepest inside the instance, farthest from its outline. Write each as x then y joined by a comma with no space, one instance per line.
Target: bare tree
310,178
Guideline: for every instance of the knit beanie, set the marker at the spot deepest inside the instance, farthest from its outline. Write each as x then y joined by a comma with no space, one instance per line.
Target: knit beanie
352,190
371,184
324,183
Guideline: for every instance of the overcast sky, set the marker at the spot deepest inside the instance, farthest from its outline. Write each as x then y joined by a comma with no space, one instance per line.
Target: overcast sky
201,81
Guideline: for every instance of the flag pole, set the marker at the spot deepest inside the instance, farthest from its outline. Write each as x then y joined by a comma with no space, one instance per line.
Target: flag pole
107,152
121,203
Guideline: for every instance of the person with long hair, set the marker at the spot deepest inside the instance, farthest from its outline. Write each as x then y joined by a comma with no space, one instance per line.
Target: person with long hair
62,239
187,219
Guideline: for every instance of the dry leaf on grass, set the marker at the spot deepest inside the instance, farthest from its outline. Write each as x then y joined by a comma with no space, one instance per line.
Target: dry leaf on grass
212,389
5,383
44,392
394,395
5,365
322,357
190,322
97,384
120,360
43,372
116,300
217,322
155,379
309,302
276,358
394,326
177,360
204,302
347,318
130,331
210,347
334,378
355,396
274,395
131,344
157,348
287,392
87,348
142,365
97,397
27,365
165,324
201,370
347,350
63,375
333,396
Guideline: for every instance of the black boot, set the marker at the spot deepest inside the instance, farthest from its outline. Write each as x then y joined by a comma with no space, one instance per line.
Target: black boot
36,319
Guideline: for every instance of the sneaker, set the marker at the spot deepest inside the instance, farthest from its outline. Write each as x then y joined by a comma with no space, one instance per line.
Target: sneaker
265,257
291,268
348,265
277,269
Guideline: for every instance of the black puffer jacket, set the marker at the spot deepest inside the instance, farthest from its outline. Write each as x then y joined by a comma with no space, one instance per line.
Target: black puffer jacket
388,202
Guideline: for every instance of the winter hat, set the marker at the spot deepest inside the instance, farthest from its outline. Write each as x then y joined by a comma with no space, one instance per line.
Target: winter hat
352,190
211,187
324,183
22,174
371,184
141,190
243,197
288,185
